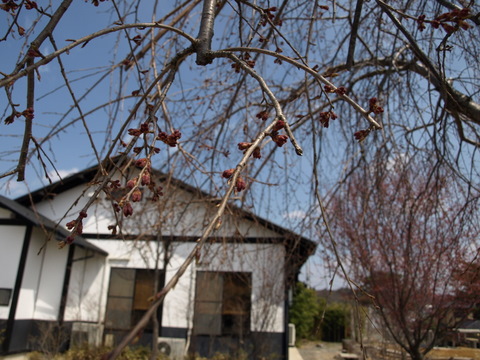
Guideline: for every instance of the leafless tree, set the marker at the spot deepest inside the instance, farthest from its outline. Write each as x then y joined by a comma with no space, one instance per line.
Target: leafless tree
229,94
410,257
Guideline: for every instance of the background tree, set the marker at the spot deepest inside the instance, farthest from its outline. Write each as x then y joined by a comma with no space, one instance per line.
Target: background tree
407,257
306,307
333,321
231,112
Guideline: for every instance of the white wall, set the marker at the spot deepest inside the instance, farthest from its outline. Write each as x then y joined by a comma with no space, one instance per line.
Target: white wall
86,298
167,215
264,261
42,283
11,242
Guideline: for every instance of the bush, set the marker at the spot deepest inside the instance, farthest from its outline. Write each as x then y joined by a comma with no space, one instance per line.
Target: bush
95,353
303,311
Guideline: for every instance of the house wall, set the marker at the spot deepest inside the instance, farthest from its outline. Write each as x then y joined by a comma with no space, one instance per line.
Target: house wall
43,276
85,298
182,215
11,241
40,290
178,213
42,283
90,276
264,261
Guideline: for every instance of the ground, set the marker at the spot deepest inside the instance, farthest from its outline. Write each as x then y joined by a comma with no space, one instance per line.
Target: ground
458,352
319,350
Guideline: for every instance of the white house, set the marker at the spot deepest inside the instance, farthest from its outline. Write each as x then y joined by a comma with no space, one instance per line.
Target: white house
232,299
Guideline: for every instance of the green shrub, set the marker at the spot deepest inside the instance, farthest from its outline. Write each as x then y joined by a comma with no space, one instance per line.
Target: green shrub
95,353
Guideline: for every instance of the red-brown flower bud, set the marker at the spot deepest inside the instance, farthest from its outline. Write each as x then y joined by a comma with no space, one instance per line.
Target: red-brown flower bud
136,195
280,140
279,125
244,145
141,163
341,90
263,115
134,132
240,184
329,89
131,183
146,178
256,153
127,209
71,224
361,134
227,174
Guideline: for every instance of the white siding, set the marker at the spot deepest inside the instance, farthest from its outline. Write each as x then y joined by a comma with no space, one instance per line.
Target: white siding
42,283
51,278
85,301
167,215
182,214
264,261
11,241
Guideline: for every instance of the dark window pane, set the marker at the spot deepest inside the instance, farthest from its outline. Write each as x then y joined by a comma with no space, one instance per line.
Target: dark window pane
236,324
118,313
236,303
209,286
5,296
122,282
144,289
129,297
208,308
222,303
208,324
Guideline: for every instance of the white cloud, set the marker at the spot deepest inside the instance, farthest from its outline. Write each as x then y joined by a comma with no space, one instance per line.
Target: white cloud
54,175
295,214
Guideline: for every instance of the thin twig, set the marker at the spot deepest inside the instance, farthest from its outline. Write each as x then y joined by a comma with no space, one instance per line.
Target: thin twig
8,80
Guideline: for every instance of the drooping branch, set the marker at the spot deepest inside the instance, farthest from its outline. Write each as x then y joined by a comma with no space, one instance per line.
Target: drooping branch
365,113
9,79
454,100
46,32
458,104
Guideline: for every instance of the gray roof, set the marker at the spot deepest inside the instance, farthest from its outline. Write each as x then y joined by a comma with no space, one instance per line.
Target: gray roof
40,220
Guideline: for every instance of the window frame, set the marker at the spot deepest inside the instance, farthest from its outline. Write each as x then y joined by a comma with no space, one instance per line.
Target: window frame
216,307
135,299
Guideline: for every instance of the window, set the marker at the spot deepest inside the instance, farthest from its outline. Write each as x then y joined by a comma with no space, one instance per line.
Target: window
5,295
129,292
222,303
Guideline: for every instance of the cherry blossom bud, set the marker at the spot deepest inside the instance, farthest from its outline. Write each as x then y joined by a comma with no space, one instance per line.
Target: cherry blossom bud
256,153
141,163
146,178
244,145
127,209
227,174
240,184
136,195
131,183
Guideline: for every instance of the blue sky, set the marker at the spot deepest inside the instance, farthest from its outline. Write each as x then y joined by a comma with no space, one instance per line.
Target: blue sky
69,150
